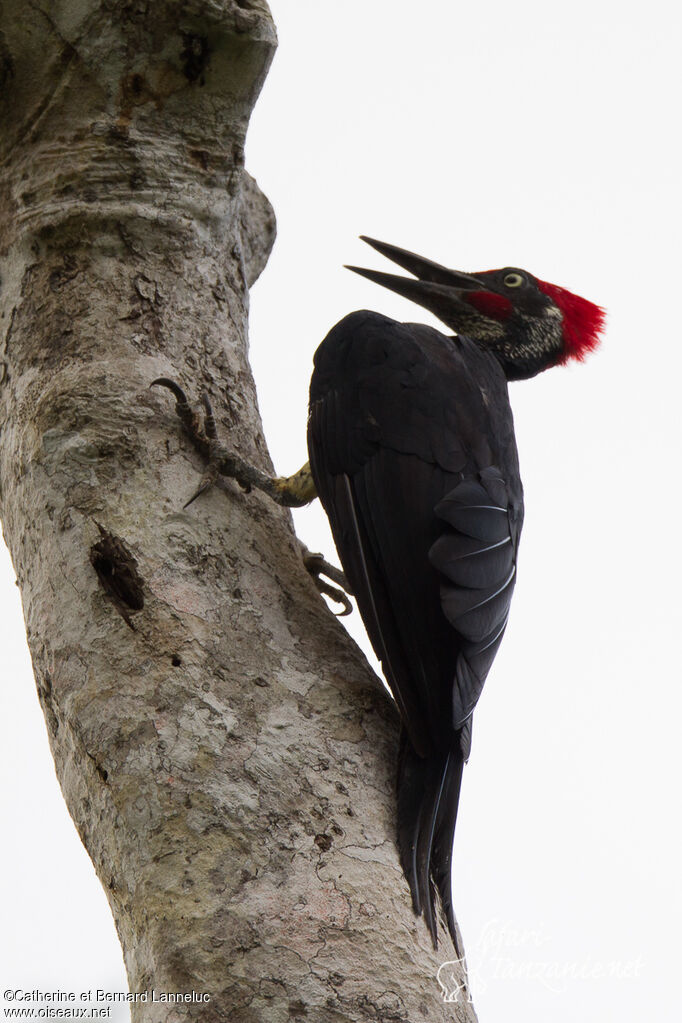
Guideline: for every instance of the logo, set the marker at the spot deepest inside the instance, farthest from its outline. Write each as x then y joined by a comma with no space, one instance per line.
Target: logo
452,977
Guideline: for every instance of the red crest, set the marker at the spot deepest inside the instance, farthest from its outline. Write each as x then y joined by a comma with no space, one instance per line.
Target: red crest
583,321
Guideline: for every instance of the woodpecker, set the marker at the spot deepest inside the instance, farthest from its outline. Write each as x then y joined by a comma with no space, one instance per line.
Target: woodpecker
413,456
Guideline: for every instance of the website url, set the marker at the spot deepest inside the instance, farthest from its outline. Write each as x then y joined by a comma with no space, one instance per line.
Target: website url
49,1012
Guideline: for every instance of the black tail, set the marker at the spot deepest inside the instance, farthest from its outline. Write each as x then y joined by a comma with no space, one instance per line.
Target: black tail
428,797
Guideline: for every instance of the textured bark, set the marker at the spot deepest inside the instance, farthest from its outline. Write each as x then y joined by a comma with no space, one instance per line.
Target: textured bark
224,750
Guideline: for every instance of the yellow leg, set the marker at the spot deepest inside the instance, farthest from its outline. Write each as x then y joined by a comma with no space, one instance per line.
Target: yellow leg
296,490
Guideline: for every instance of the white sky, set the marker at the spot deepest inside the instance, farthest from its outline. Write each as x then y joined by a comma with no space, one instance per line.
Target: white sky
479,135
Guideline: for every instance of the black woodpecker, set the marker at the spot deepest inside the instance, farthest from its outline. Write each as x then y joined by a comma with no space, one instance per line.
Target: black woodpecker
413,455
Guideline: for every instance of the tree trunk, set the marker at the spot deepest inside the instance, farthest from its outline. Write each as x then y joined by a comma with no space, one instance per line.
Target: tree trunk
224,750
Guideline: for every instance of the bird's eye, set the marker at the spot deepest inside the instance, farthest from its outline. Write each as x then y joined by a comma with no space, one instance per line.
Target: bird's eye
513,280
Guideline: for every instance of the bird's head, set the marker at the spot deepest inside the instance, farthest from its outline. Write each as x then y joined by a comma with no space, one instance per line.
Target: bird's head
527,324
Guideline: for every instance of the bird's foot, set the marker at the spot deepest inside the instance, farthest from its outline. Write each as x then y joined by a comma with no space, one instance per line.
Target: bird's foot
290,491
318,567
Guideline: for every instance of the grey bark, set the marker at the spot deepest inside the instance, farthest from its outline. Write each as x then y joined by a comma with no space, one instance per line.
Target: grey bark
224,749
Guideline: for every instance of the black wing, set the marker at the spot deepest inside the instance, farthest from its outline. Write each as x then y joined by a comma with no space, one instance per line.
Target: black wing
412,452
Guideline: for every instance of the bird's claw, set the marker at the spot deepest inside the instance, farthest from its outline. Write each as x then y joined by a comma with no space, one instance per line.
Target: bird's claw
204,435
317,566
207,481
186,414
291,492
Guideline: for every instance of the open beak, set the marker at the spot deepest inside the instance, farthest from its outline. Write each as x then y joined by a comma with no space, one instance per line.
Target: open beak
436,288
